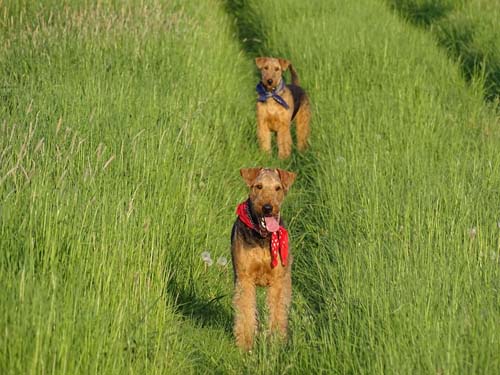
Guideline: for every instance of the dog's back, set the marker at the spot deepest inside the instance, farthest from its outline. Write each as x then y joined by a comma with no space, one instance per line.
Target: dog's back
298,95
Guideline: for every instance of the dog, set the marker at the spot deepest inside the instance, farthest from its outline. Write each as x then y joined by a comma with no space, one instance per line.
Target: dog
260,254
278,104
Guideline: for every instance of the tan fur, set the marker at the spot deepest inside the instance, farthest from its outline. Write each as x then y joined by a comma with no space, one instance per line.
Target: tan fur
273,117
252,260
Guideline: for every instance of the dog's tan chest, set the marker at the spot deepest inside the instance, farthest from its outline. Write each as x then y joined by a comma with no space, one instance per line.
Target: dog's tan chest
273,114
255,263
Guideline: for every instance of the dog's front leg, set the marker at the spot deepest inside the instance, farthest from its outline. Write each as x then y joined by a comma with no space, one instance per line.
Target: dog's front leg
284,139
264,135
245,320
279,297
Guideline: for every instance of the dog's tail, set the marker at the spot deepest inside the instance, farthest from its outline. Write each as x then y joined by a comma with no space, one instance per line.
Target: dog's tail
295,77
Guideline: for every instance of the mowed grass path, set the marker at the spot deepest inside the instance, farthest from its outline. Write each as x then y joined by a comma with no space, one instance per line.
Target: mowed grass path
123,128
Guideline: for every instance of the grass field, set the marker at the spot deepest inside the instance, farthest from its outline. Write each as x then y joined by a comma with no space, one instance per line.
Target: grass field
469,32
122,129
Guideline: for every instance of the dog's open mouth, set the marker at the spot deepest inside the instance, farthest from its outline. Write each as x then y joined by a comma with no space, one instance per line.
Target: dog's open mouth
270,223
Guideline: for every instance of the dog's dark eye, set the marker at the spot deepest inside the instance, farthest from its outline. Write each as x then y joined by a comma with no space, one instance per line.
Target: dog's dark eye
276,69
278,188
266,68
258,186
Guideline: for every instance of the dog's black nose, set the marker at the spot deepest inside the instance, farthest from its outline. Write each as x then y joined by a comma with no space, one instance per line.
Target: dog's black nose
267,209
270,81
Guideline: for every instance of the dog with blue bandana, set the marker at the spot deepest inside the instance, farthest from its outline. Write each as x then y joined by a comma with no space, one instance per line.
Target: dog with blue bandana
278,104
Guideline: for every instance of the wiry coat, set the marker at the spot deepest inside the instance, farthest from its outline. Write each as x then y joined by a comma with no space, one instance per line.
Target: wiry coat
251,256
274,117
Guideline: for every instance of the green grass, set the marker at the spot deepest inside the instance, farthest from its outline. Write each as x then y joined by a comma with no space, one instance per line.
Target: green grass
468,30
122,129
120,132
406,165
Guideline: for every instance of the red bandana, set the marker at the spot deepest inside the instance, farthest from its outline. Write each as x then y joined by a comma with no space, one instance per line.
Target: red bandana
279,239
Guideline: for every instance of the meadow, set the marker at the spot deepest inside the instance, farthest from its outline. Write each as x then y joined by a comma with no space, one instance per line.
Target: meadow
123,126
467,30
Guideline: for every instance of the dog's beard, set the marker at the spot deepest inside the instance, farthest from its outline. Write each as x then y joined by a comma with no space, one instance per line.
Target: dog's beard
271,88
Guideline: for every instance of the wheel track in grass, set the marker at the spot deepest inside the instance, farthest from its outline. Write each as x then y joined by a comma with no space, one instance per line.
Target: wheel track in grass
342,297
459,30
305,207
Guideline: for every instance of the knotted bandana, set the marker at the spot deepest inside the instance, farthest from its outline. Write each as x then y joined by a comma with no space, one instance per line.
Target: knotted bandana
279,239
264,94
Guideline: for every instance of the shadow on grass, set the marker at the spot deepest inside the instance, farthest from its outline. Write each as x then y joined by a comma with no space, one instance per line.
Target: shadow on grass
205,312
423,12
457,36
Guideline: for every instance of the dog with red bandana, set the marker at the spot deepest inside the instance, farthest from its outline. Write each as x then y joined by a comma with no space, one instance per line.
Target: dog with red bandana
261,254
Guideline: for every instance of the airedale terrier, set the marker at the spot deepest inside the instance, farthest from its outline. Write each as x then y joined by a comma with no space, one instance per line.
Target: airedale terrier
260,254
278,104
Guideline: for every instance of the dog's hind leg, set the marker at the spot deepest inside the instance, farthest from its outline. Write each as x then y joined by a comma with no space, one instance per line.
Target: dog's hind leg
245,321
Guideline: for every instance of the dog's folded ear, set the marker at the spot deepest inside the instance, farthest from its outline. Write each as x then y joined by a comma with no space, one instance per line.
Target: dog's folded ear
250,174
260,61
287,178
284,64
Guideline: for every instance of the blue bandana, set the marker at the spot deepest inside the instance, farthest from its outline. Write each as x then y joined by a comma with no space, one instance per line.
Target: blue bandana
264,94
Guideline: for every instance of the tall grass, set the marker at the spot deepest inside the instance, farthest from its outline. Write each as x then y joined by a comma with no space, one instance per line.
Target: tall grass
122,129
404,269
468,30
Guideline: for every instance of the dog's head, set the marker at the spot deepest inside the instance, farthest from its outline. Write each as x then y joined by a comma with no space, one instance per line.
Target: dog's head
268,188
271,71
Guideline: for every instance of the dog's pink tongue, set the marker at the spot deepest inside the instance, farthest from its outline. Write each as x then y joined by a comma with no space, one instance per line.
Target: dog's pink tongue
272,224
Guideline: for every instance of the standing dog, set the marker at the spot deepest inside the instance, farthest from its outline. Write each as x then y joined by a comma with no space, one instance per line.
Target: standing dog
278,104
260,254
